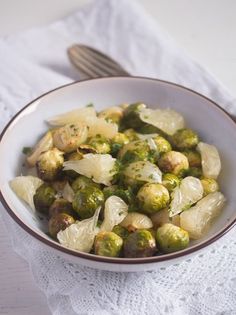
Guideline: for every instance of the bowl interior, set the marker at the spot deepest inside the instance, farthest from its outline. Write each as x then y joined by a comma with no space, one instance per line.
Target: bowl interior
211,123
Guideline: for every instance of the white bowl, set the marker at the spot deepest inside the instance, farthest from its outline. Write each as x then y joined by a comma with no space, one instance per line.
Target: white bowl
201,114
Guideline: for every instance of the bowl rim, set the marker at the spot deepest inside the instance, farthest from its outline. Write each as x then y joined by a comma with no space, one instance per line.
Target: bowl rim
109,260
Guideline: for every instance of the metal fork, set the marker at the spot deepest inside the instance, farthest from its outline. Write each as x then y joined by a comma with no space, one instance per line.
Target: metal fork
93,63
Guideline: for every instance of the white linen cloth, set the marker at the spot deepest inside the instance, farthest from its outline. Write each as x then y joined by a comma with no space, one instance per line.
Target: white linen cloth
34,62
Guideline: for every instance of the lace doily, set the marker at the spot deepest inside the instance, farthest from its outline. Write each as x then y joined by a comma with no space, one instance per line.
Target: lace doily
205,284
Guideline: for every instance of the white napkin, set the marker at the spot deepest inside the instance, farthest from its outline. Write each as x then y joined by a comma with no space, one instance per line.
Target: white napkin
34,62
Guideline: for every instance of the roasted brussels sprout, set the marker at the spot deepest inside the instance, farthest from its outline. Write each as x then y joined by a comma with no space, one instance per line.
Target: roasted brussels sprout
100,144
87,200
82,182
194,171
162,144
44,198
152,198
49,164
115,190
136,151
171,238
59,222
108,244
185,139
140,244
173,162
118,142
131,134
131,117
60,206
194,158
148,129
209,185
121,231
170,181
113,114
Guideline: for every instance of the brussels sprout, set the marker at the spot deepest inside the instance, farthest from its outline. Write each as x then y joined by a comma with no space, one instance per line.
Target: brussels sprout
194,158
148,129
100,144
115,190
74,156
131,117
121,231
162,144
140,244
209,185
185,139
60,206
59,222
152,198
44,198
113,114
131,134
194,171
87,200
171,238
49,164
82,182
170,181
136,151
173,162
118,142
108,244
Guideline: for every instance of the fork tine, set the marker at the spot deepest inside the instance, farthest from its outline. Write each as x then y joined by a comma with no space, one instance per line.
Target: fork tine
94,63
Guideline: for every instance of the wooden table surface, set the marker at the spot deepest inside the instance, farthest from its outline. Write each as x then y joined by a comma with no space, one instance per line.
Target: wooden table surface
206,30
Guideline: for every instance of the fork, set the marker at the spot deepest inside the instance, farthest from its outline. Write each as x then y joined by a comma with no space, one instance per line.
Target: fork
93,63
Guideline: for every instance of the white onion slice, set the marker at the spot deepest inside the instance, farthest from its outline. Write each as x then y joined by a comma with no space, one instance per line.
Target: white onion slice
143,171
211,164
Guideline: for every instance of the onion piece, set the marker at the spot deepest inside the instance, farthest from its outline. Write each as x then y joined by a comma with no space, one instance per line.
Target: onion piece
136,220
161,217
115,211
189,191
211,164
167,120
100,167
197,219
68,193
101,127
84,115
46,143
25,188
143,171
80,235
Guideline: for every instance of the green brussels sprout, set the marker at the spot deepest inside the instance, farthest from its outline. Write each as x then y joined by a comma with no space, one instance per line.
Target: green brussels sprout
82,182
152,198
59,222
139,244
194,171
209,185
185,139
173,162
121,231
100,144
118,142
60,206
194,158
115,190
171,238
136,151
131,134
49,164
170,181
131,117
87,200
44,198
162,144
108,244
148,129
